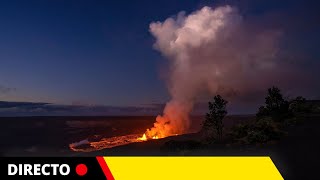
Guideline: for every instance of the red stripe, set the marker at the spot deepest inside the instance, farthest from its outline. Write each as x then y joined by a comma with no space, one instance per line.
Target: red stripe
105,168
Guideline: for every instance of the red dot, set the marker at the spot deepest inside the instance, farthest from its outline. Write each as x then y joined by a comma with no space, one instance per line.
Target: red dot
81,169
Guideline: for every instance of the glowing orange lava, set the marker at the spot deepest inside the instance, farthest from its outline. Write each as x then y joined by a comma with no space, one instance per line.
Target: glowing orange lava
143,138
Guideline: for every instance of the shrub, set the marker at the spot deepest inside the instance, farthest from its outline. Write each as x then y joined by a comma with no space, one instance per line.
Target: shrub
257,137
240,130
264,130
258,132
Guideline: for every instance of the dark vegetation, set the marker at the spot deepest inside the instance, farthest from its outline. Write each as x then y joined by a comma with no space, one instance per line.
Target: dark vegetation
271,122
272,119
213,125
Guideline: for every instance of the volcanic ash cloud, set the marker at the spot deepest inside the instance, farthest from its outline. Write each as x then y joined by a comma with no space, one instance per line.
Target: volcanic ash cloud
210,51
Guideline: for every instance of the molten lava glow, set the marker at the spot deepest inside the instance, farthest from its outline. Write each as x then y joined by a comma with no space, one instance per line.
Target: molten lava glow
143,138
89,146
174,120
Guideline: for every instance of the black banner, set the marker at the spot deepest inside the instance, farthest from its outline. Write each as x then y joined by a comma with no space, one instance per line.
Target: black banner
51,167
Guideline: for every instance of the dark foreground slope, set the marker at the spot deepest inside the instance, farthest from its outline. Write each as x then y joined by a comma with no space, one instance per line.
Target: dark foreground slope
296,155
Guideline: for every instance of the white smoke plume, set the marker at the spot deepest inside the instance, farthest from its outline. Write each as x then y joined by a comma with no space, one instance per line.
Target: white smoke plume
211,51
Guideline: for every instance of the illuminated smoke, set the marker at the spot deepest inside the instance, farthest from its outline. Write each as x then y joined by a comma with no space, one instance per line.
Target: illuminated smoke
211,51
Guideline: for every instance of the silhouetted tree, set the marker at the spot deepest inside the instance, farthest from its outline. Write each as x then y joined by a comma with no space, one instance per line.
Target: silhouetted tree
298,105
213,121
262,112
274,99
275,105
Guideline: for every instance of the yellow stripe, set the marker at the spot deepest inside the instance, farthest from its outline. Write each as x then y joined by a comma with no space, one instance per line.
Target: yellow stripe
195,168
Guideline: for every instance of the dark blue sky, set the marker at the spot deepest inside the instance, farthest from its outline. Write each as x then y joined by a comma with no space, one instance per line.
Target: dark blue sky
100,52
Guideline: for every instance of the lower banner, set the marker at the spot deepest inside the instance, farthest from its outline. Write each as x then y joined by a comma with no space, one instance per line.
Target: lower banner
142,168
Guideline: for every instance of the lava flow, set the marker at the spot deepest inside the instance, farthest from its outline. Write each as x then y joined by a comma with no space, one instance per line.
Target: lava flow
144,137
88,146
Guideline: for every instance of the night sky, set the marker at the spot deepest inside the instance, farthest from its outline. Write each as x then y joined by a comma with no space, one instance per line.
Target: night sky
100,53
